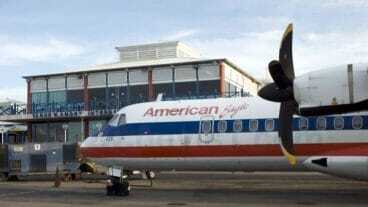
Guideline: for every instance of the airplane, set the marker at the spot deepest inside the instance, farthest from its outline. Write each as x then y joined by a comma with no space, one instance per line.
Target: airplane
318,121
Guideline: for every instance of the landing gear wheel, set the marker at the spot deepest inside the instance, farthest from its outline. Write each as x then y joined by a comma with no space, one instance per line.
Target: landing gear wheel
118,188
150,174
122,189
109,191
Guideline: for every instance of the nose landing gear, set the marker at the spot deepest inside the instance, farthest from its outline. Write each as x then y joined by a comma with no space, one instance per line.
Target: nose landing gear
118,187
118,183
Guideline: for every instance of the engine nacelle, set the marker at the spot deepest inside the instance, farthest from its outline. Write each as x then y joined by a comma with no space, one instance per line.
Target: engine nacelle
332,90
353,167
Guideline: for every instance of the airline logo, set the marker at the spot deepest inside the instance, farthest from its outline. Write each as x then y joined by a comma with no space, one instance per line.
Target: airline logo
230,110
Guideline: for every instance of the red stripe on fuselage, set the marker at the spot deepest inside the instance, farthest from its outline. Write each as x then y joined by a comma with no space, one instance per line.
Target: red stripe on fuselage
337,149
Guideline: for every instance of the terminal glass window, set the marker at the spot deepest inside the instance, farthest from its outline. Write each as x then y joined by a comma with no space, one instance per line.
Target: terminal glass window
56,132
39,101
74,132
74,96
230,89
185,89
164,88
209,88
98,98
39,132
39,97
138,93
117,97
57,97
96,126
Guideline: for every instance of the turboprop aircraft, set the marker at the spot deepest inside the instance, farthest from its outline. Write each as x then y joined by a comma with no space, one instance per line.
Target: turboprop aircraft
245,133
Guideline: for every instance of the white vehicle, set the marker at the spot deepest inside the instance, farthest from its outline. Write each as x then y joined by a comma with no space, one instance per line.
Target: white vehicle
245,133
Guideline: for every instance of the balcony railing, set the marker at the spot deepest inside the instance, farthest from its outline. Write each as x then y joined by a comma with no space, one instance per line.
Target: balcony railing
95,109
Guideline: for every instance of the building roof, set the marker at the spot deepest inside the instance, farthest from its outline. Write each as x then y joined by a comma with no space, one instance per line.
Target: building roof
144,64
162,50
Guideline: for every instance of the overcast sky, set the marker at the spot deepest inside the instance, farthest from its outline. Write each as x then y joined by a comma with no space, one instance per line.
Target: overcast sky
53,36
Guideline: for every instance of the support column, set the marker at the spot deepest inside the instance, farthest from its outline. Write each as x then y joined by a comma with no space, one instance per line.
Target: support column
151,95
128,88
107,100
222,78
197,80
29,97
173,82
85,128
29,132
85,93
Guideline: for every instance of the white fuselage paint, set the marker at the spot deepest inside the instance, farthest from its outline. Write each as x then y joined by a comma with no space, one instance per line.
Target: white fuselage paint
227,109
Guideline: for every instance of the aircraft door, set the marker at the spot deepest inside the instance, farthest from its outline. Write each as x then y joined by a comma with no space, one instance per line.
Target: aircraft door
206,129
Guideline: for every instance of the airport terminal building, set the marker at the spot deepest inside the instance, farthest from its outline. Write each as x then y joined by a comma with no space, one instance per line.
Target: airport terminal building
69,106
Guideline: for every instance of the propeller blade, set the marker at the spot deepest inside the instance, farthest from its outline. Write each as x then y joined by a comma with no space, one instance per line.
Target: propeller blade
278,75
287,109
286,53
271,92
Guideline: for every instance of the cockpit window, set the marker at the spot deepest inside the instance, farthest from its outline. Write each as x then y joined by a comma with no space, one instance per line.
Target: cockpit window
122,119
114,120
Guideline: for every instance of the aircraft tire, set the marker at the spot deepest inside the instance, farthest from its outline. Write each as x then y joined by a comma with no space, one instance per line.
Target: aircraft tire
3,176
109,190
123,189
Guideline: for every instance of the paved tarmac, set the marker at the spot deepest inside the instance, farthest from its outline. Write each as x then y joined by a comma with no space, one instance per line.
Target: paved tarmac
196,189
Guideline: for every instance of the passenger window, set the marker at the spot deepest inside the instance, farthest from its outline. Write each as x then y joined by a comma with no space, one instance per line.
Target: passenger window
339,122
222,126
357,122
206,127
114,120
122,119
253,125
238,126
321,123
303,124
269,125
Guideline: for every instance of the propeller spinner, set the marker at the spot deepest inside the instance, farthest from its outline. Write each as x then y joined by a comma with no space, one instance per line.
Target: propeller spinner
281,90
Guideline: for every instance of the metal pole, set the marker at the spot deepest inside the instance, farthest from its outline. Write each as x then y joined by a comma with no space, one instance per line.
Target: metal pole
2,136
64,135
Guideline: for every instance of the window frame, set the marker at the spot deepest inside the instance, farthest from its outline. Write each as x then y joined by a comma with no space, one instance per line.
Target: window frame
222,129
238,122
256,126
210,129
361,122
324,123
273,125
343,122
300,123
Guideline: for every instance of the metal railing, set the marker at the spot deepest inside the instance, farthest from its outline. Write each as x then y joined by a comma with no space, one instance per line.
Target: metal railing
72,110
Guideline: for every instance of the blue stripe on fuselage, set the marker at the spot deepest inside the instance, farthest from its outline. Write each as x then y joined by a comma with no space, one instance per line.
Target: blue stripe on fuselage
192,127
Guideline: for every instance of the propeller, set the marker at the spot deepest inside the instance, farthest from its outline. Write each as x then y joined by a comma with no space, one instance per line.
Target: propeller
281,90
